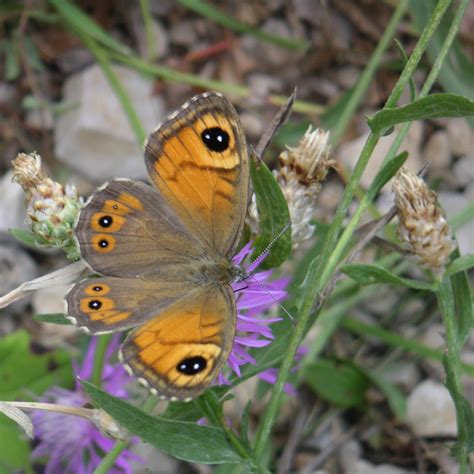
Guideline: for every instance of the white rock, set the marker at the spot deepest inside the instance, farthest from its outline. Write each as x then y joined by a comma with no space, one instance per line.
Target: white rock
438,152
364,467
12,204
430,410
453,203
95,137
50,300
464,169
433,337
16,267
461,136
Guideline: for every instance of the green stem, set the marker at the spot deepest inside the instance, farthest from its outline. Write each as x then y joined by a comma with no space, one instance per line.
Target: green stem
172,75
116,85
395,340
148,24
109,459
212,13
330,258
99,358
446,304
365,78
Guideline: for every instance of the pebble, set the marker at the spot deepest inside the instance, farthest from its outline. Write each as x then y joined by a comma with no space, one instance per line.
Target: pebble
183,33
463,169
16,267
437,151
12,204
460,135
95,138
430,410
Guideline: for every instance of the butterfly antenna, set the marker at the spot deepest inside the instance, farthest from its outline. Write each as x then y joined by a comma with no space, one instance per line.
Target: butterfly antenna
271,243
269,293
259,283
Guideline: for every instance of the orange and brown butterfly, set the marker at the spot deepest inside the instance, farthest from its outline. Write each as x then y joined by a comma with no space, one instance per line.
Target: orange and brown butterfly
164,252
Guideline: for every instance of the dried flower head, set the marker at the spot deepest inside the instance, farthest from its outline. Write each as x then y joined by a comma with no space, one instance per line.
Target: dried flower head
302,170
422,226
51,207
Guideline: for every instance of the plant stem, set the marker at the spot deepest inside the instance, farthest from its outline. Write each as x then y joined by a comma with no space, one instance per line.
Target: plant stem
446,304
99,358
330,257
148,24
368,73
117,86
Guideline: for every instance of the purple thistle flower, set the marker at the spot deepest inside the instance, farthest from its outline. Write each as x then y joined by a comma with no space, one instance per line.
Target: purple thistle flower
254,295
73,444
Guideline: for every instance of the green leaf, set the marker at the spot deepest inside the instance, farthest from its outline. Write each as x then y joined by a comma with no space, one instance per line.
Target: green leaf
184,440
463,304
432,106
460,264
273,216
374,274
53,318
15,450
458,70
24,236
338,382
24,373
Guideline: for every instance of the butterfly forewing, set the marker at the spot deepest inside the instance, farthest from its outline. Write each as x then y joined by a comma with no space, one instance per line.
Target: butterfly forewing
198,161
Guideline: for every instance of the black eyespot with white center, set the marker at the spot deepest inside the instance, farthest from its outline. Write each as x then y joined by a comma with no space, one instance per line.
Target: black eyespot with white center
95,304
103,243
192,365
97,288
105,221
215,139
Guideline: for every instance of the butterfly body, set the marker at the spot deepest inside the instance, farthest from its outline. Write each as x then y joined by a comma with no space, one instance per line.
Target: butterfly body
165,252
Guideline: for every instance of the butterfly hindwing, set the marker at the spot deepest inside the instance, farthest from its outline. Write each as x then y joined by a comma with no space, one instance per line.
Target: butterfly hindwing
108,304
180,352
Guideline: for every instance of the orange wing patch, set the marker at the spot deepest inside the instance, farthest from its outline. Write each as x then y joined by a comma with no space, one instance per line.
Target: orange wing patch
180,352
198,161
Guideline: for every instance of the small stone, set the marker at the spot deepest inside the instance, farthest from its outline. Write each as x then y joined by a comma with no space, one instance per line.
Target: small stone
404,375
271,55
252,124
160,46
430,410
433,336
95,138
16,267
461,136
73,60
40,119
464,169
183,33
438,152
12,204
50,300
262,85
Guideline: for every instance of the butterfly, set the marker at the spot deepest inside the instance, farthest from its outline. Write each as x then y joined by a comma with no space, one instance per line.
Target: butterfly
163,252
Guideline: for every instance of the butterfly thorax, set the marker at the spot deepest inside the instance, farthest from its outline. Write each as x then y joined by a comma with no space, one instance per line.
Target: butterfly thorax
221,271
